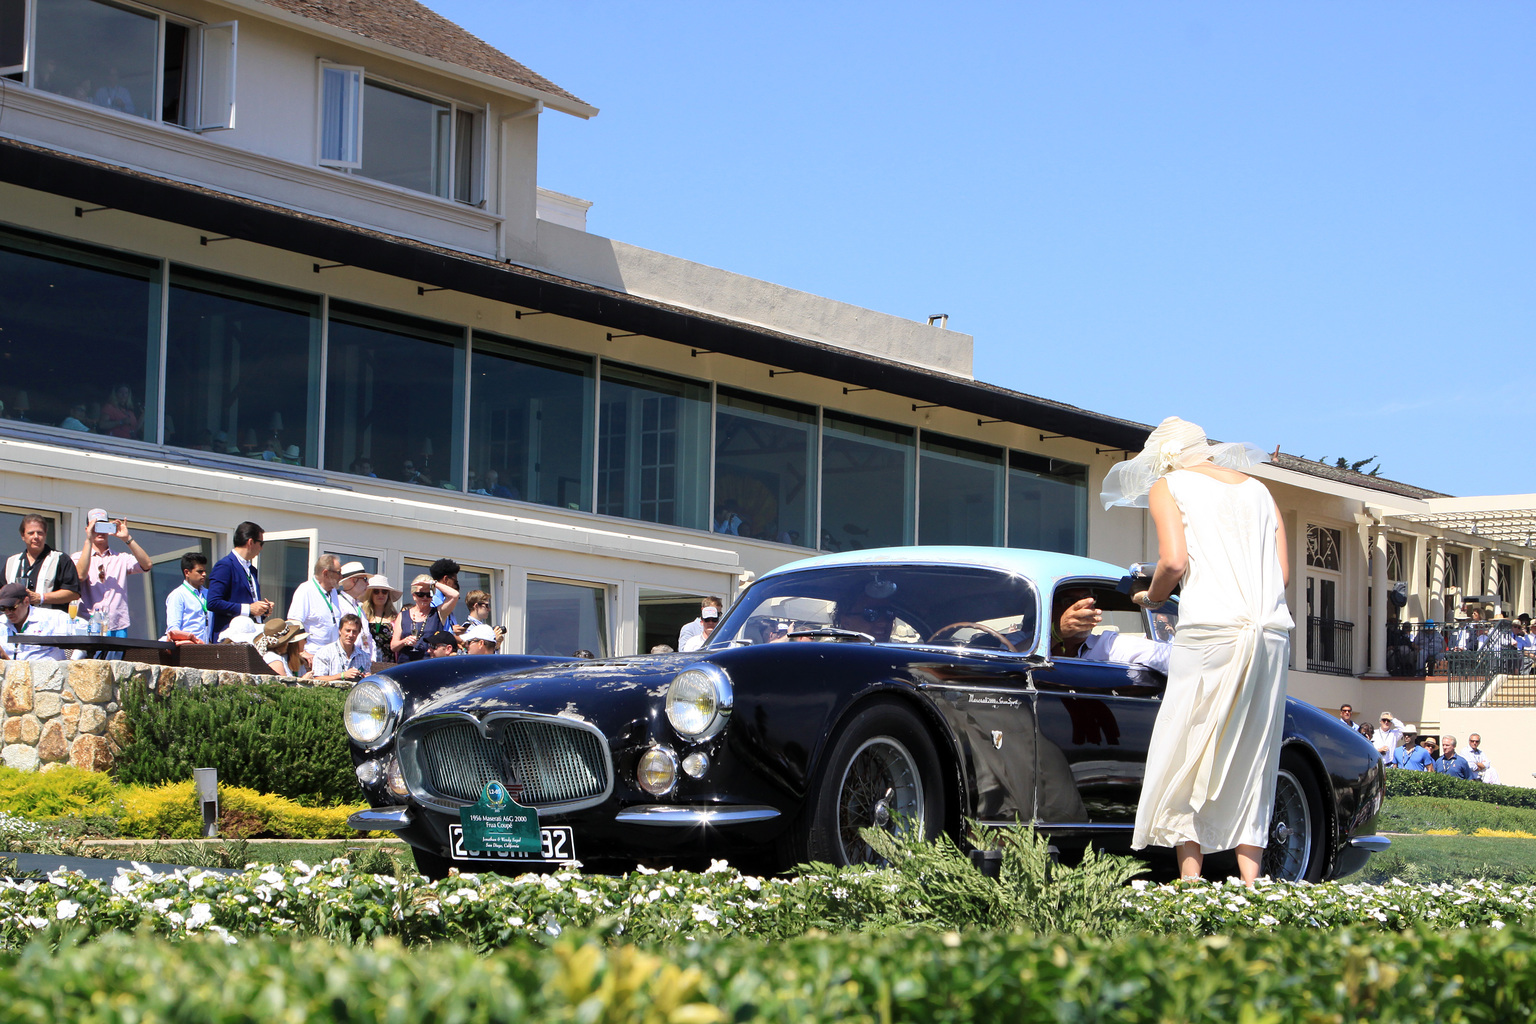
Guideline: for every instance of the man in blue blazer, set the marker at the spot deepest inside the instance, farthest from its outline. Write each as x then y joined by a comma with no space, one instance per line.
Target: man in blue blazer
234,586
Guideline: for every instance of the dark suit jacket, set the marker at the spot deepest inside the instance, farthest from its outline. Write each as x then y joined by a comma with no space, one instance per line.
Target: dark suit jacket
227,591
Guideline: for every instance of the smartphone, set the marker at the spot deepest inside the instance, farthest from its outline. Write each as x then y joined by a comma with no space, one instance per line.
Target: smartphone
105,526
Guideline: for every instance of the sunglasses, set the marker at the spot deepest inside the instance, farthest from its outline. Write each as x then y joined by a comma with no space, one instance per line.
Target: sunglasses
873,614
421,593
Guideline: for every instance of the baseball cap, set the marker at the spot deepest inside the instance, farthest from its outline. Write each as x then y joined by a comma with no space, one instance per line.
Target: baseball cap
478,631
94,515
710,613
441,637
11,595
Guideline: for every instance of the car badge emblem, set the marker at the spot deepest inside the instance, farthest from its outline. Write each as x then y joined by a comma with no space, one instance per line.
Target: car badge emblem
997,739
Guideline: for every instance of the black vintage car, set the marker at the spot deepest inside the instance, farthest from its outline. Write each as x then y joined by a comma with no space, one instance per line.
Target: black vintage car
848,690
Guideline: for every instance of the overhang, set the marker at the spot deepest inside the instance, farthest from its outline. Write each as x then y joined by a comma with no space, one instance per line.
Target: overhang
1508,519
204,209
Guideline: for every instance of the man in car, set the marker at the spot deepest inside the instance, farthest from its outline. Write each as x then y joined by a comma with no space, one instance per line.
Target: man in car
864,614
1076,615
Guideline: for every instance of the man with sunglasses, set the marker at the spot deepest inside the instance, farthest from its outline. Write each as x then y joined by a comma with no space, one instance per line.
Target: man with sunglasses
709,618
234,585
104,573
870,616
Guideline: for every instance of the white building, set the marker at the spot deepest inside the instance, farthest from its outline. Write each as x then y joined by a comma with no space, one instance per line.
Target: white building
309,240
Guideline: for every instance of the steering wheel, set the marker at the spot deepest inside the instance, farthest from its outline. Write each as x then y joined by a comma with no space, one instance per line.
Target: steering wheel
956,626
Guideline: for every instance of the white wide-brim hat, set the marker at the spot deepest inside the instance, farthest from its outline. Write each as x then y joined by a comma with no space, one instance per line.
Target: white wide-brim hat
1173,444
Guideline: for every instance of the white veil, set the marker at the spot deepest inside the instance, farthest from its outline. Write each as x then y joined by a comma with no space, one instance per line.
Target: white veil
1174,444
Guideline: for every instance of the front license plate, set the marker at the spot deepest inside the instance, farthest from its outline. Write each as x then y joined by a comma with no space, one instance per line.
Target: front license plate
559,844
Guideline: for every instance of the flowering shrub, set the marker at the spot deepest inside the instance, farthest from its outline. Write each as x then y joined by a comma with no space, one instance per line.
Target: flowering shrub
1471,976
335,902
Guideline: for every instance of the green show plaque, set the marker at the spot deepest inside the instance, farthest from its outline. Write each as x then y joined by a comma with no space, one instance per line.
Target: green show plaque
499,824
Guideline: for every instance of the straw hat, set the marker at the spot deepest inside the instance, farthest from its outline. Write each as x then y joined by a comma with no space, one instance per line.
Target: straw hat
381,582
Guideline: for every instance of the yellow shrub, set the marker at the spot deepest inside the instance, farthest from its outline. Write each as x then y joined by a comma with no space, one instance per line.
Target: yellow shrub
171,812
1505,833
1441,832
58,792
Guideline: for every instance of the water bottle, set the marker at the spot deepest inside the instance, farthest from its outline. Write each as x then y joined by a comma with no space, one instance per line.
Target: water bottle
96,617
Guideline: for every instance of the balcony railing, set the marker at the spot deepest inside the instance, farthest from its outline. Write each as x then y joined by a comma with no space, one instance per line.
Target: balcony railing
1484,667
1330,646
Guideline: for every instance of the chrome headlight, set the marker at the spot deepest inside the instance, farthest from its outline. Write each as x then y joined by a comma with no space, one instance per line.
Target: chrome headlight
372,711
699,701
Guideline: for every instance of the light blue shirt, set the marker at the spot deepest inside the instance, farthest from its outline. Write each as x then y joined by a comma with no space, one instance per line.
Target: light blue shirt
187,611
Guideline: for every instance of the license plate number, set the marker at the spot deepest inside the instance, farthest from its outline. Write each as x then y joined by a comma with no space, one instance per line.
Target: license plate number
558,843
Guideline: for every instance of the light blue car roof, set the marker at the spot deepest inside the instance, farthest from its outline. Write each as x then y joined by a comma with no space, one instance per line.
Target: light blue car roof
1042,568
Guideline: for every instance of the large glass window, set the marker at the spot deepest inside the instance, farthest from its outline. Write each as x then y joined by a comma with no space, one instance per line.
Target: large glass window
147,592
530,428
960,498
78,331
1047,504
99,53
394,398
867,482
242,369
564,618
765,468
653,448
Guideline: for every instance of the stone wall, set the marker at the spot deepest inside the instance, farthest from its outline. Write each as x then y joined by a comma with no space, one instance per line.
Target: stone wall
68,712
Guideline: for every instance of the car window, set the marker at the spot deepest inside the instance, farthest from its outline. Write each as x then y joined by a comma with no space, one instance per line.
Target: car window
1117,613
967,606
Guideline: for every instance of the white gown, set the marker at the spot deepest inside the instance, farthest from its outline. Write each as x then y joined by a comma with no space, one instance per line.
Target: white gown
1215,748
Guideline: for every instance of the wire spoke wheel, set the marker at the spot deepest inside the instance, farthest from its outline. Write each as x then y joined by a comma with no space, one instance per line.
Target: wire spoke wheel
881,788
1291,829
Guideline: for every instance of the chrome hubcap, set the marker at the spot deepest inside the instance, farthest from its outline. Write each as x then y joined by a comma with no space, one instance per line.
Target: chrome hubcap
1290,831
881,788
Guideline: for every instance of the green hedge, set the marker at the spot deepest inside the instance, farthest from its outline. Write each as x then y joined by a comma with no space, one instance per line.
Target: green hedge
1401,782
1347,975
271,738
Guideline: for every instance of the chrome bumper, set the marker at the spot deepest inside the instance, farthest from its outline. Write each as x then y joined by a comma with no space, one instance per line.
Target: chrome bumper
1371,844
689,817
386,819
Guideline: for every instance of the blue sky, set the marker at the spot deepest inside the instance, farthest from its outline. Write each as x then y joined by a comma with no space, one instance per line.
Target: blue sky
1301,224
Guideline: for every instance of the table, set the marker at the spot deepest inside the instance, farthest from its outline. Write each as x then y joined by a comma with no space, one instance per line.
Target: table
149,652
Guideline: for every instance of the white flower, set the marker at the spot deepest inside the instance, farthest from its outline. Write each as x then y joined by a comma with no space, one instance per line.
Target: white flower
1267,921
717,867
643,870
705,915
35,922
1496,925
199,915
271,878
753,882
163,904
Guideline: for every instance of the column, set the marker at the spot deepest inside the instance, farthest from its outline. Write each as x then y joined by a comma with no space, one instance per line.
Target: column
1437,580
1418,591
1378,603
1522,594
1472,585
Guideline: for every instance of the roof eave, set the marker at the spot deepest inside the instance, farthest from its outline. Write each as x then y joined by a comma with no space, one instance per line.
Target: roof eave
555,101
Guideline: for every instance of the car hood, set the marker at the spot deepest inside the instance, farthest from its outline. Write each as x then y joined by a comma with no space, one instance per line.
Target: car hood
570,687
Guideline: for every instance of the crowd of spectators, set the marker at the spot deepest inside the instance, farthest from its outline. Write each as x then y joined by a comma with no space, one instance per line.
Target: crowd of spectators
341,622
1401,746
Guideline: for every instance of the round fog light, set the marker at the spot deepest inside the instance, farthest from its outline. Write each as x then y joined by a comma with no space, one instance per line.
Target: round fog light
696,764
657,773
395,779
369,772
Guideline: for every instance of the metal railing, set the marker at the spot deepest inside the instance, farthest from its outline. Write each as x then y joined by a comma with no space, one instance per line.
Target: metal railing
1330,646
1485,668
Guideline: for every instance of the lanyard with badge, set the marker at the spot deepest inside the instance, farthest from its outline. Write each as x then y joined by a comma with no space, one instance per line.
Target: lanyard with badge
200,599
327,599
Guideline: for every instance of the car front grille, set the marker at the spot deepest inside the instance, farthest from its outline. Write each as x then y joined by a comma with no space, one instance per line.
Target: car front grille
553,763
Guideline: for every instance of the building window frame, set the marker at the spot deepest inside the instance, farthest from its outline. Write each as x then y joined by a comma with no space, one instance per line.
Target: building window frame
341,137
208,70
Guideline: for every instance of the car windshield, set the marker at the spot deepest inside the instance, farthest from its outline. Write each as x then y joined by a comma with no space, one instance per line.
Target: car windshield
966,606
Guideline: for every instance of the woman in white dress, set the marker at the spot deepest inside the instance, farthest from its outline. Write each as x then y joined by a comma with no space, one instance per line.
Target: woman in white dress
1215,748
